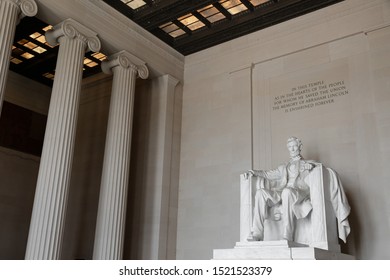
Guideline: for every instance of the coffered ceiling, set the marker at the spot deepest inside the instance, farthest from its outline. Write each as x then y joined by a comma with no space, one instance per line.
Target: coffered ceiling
34,58
186,25
193,25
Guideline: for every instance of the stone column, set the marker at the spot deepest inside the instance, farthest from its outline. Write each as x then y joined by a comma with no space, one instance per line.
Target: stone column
115,176
11,11
48,216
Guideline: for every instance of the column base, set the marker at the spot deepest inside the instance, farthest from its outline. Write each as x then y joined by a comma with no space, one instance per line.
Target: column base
276,250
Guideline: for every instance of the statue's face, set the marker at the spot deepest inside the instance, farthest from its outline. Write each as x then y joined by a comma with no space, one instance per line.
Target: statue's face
294,148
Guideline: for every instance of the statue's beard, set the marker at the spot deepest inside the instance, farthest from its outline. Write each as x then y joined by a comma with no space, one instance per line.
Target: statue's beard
294,154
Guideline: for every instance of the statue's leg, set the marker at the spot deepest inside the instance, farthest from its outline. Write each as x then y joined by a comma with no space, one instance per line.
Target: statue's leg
289,197
263,200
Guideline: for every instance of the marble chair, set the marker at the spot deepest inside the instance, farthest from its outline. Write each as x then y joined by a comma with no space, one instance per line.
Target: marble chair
319,229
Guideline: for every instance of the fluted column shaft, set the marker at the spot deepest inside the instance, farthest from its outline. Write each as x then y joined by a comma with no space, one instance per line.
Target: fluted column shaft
48,216
115,176
10,13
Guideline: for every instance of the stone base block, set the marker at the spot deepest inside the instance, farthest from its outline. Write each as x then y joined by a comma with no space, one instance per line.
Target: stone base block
276,250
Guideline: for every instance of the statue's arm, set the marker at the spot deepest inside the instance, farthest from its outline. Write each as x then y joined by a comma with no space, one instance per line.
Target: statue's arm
274,174
308,166
256,173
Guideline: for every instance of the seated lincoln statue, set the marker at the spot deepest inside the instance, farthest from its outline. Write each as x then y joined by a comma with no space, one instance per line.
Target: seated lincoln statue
295,191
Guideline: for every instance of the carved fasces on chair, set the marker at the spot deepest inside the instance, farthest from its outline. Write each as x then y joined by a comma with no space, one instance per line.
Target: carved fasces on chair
323,223
246,205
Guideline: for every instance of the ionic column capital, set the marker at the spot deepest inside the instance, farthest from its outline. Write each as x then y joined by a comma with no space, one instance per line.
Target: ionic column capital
125,60
27,7
11,11
74,30
172,81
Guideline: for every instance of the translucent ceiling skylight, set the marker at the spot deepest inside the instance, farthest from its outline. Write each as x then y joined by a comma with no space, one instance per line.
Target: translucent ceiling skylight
258,2
211,13
172,29
206,16
134,4
191,21
233,6
35,45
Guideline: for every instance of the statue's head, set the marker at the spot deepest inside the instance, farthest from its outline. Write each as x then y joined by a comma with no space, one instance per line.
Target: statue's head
294,146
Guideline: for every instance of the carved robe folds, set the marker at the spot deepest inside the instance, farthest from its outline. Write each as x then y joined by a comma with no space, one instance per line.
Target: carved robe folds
324,217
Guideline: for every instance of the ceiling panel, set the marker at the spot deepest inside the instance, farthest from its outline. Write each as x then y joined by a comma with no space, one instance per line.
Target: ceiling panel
191,26
186,25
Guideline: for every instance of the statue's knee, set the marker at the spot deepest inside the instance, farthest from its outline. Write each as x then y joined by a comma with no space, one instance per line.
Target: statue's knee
286,193
261,194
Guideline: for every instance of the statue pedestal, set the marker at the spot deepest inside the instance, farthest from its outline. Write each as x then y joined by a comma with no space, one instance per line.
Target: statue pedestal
276,250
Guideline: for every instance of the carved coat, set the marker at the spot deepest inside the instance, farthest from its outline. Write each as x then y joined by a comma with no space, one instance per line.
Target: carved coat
276,180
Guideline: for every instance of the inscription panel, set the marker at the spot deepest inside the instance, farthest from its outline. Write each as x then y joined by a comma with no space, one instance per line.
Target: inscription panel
310,95
312,103
310,91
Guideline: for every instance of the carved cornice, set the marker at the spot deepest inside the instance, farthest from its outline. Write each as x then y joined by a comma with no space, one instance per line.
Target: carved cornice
125,60
74,30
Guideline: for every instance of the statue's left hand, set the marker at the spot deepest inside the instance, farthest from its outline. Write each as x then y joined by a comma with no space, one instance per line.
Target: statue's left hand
308,166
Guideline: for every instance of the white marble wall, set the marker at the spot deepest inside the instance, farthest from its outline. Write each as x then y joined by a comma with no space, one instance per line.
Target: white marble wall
19,171
152,206
116,32
152,198
229,124
228,127
153,189
87,168
27,93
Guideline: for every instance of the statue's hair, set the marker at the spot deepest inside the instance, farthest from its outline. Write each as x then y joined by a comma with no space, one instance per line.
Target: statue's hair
295,139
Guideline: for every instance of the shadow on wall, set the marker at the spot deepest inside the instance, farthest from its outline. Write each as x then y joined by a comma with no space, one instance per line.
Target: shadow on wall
136,216
87,167
18,177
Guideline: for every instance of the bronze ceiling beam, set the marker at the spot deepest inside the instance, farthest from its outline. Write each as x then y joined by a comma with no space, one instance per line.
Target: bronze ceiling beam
248,5
149,2
222,10
202,19
182,26
121,7
167,11
157,7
